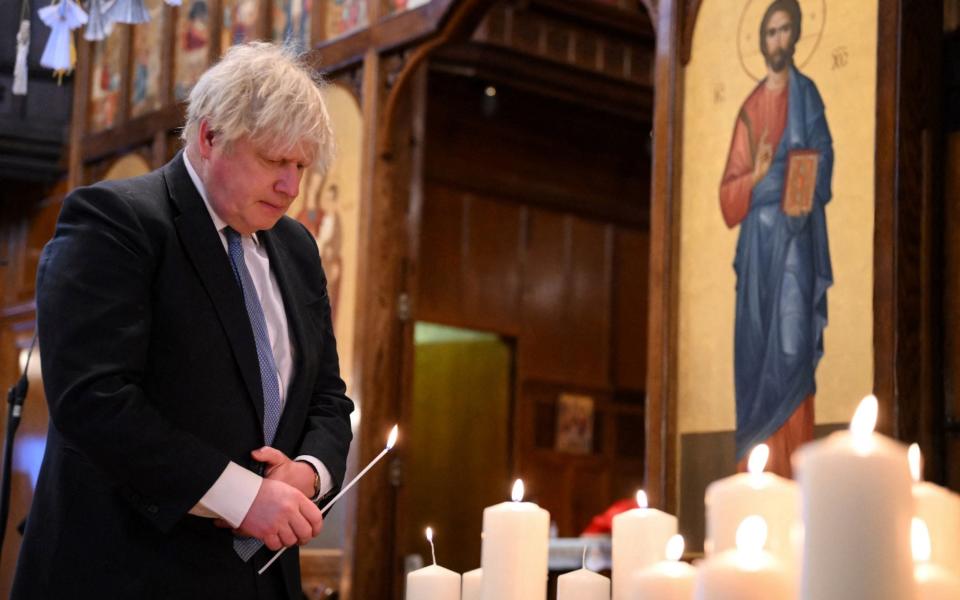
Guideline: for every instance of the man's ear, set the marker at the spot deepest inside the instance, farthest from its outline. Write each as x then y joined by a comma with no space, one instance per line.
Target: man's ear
206,139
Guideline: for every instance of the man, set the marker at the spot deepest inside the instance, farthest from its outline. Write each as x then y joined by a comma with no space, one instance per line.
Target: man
783,260
188,353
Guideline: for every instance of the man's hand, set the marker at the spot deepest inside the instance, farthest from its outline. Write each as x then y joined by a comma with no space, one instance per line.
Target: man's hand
279,467
763,159
281,516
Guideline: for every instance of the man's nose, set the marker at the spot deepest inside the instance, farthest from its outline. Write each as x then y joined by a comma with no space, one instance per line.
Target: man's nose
289,181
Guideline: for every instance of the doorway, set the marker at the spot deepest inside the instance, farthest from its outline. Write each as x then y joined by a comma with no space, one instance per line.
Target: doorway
458,449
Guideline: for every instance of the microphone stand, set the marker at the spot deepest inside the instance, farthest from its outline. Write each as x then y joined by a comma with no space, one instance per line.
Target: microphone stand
15,398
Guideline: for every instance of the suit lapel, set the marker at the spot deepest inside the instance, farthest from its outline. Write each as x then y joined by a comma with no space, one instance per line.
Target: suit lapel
205,250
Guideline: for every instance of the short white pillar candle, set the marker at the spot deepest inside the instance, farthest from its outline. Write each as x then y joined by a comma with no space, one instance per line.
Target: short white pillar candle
746,572
583,584
433,582
639,537
471,585
940,510
933,581
666,580
515,550
732,499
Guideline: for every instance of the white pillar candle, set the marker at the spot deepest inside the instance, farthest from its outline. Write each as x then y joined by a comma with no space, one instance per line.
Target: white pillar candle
583,584
666,580
933,581
746,572
639,537
857,504
433,582
471,585
731,500
940,510
515,550
936,583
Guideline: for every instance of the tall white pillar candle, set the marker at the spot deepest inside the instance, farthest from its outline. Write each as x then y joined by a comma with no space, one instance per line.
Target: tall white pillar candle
639,538
746,572
515,550
940,510
583,584
857,505
933,581
666,580
433,582
731,500
471,585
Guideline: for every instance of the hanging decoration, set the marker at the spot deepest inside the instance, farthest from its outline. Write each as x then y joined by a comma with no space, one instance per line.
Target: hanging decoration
174,2
98,25
62,18
130,12
23,45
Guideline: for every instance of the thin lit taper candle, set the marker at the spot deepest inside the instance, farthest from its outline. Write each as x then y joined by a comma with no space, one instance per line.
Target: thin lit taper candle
391,440
433,549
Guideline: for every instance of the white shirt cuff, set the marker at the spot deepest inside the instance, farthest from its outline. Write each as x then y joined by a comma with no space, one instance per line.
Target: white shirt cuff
230,496
326,481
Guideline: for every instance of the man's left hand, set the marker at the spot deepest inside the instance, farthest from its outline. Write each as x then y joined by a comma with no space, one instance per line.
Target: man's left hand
280,467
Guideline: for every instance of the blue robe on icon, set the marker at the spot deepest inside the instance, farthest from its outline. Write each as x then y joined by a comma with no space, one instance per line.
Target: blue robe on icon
783,272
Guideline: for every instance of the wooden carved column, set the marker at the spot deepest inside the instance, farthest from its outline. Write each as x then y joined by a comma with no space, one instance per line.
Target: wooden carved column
388,176
664,230
907,346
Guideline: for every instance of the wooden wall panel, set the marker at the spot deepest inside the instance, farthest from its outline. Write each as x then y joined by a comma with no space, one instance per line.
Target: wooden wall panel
586,324
439,298
542,336
492,253
536,150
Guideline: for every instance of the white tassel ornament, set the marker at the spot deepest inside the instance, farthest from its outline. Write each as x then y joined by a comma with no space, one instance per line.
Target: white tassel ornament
20,65
98,26
61,18
131,12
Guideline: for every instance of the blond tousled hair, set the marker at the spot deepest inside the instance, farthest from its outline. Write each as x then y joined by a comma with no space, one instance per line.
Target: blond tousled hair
268,94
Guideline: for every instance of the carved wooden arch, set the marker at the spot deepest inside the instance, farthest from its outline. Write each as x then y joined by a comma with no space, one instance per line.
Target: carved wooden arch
461,21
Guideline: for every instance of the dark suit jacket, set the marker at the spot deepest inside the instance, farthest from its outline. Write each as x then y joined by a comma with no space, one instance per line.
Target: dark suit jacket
151,376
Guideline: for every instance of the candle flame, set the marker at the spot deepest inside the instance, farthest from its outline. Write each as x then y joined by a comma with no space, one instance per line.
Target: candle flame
392,438
517,493
675,547
865,419
920,540
430,534
752,534
642,501
914,457
758,459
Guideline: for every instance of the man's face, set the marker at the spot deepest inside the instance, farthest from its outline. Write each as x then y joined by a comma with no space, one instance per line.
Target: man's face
250,186
778,41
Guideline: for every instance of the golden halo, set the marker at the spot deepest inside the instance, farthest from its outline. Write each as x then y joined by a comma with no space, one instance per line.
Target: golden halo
814,16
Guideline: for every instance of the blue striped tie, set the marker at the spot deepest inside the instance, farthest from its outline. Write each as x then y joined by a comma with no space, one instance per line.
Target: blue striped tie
247,547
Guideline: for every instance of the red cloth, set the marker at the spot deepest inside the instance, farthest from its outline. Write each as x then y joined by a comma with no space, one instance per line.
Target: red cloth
602,524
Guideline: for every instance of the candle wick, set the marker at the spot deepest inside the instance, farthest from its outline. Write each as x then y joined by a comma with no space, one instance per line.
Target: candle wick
433,552
583,565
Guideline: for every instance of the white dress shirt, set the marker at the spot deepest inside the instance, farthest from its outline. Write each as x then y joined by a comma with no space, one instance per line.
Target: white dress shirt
233,492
